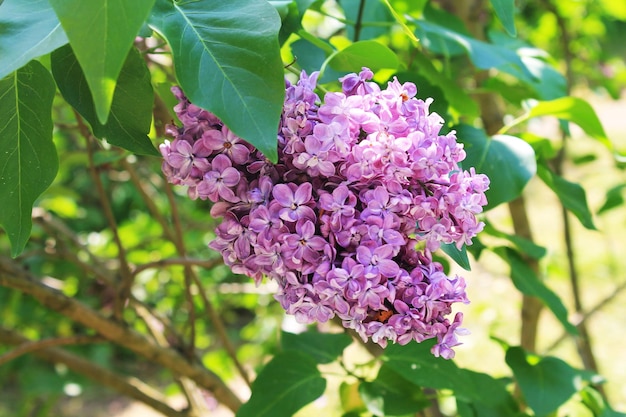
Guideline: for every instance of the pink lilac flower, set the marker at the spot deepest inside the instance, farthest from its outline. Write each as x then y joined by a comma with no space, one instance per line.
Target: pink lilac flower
364,178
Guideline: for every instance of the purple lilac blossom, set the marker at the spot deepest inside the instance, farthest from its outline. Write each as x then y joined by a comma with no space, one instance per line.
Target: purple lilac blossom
364,178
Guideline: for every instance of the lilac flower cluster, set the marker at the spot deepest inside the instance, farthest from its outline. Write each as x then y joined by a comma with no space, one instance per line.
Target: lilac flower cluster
365,189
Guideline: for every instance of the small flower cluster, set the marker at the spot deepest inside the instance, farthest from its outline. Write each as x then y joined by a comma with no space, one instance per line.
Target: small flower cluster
365,189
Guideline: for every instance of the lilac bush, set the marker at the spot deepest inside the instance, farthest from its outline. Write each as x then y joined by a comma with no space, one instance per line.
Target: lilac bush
366,188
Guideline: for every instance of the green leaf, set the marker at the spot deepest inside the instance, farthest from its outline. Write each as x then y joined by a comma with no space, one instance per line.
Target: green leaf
459,256
101,33
28,29
286,384
505,10
572,109
373,11
371,54
28,161
526,281
482,54
131,109
528,247
391,395
546,384
508,161
323,347
415,363
614,198
572,196
228,62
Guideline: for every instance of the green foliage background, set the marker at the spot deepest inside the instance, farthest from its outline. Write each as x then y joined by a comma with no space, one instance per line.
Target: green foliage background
104,270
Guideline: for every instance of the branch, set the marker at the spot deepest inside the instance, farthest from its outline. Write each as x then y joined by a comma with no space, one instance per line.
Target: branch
33,346
130,387
13,276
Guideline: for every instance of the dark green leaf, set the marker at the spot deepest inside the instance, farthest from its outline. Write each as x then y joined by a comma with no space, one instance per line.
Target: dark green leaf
391,395
101,34
415,363
228,62
505,10
427,89
131,110
371,54
572,196
614,198
509,162
308,56
28,29
286,384
373,11
525,280
546,384
28,161
459,256
323,347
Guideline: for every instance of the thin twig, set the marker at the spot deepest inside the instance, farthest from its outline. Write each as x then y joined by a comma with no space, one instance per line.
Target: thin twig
203,263
131,387
127,278
32,346
15,277
359,21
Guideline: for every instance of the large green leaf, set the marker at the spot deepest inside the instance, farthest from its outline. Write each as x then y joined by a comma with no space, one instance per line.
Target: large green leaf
505,10
286,384
415,363
323,347
371,54
228,62
131,109
527,282
28,29
509,162
101,33
28,161
484,55
547,383
572,196
391,395
572,109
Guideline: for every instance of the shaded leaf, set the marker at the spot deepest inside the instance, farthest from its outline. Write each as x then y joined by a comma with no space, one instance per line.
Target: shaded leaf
28,29
373,11
526,281
131,109
101,33
505,10
546,384
572,196
391,395
415,363
459,256
228,62
286,384
508,161
28,161
323,347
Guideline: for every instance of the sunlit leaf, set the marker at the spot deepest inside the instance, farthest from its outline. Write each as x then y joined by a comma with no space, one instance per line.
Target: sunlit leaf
28,29
572,196
286,384
28,160
227,61
505,10
614,198
371,54
131,109
101,33
525,280
509,162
